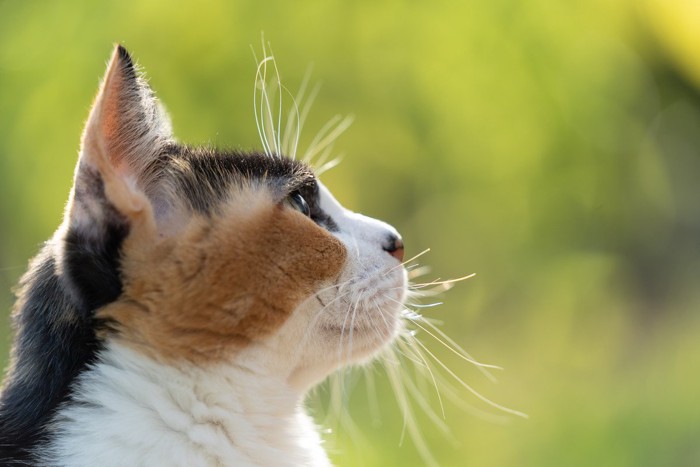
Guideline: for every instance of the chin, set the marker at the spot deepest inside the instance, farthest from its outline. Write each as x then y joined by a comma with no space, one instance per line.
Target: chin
366,321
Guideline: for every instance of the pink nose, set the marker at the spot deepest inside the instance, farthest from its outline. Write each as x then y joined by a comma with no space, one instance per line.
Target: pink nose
395,247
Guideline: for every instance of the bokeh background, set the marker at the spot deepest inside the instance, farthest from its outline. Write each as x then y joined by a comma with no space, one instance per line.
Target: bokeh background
551,147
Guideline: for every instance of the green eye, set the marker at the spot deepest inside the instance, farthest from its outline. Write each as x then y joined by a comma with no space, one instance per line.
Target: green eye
296,201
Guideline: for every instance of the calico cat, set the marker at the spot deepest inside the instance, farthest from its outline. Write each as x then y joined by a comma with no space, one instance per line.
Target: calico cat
189,300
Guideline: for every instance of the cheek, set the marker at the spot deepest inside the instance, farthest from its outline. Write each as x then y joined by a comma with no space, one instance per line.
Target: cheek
307,251
220,287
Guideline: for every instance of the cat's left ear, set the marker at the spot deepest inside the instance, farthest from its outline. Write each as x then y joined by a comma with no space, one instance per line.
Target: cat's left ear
122,141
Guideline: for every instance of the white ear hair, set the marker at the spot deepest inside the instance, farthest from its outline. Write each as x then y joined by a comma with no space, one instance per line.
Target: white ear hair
123,139
127,126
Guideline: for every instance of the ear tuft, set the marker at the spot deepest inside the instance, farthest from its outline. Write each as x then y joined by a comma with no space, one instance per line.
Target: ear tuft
124,56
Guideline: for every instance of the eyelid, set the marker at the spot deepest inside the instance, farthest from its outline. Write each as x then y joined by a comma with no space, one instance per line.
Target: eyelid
297,202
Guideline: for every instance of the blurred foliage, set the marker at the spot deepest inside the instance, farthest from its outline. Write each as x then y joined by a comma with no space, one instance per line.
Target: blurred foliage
552,147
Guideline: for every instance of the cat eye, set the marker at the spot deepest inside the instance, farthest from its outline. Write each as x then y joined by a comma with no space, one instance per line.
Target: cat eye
296,201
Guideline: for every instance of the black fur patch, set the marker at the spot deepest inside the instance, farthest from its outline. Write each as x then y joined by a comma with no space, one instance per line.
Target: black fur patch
204,175
126,60
56,331
91,256
55,340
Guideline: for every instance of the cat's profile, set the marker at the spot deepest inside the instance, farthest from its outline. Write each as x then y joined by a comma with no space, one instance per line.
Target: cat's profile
189,300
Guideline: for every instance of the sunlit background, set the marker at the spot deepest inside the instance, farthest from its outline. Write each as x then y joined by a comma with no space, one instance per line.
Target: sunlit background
550,147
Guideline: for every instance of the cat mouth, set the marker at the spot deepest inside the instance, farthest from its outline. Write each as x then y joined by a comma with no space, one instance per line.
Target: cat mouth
366,325
362,338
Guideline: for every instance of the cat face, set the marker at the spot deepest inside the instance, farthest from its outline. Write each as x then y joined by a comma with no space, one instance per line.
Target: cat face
200,256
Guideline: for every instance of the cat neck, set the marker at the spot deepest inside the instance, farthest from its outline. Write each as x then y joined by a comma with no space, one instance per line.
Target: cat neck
138,411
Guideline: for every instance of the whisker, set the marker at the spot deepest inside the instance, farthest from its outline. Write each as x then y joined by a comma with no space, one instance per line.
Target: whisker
410,259
456,348
447,282
403,343
312,323
322,140
426,305
329,165
288,129
279,110
417,271
307,108
260,78
410,424
319,136
292,117
418,396
469,388
255,103
372,400
451,394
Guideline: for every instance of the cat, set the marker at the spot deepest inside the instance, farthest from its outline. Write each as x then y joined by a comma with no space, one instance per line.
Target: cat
189,300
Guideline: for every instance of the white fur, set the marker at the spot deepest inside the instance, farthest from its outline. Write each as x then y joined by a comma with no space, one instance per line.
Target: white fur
134,411
131,410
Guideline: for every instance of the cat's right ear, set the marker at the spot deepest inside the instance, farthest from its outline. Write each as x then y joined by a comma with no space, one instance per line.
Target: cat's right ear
122,141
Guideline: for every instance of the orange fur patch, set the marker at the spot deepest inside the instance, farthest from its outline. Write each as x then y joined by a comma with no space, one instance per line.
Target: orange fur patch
223,282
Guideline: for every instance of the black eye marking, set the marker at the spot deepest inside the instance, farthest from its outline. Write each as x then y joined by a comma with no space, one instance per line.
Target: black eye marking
296,201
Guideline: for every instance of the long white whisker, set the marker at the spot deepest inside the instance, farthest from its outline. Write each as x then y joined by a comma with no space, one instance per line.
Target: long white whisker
267,118
279,110
319,135
407,261
292,116
403,343
256,86
260,78
456,349
417,271
446,283
305,111
372,401
329,165
414,318
319,143
468,387
425,406
410,423
294,112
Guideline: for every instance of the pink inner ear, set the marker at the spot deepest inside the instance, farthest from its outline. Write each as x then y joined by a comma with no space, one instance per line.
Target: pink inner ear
109,123
117,98
126,125
124,133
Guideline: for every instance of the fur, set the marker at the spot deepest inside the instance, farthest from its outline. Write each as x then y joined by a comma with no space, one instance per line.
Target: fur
188,302
134,411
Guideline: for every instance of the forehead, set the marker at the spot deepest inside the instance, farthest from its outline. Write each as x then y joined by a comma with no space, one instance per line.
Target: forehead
203,176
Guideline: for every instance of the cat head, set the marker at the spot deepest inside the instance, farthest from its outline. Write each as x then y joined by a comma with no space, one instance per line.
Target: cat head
200,256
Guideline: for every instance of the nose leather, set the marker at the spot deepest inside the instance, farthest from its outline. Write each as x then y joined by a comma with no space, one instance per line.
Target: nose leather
394,246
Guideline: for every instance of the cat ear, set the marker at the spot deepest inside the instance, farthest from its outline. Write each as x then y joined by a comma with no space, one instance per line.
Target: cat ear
123,138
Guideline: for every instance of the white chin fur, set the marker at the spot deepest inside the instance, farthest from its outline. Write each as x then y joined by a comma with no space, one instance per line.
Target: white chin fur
362,312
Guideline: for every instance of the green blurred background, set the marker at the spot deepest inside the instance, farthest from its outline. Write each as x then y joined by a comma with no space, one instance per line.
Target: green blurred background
551,147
